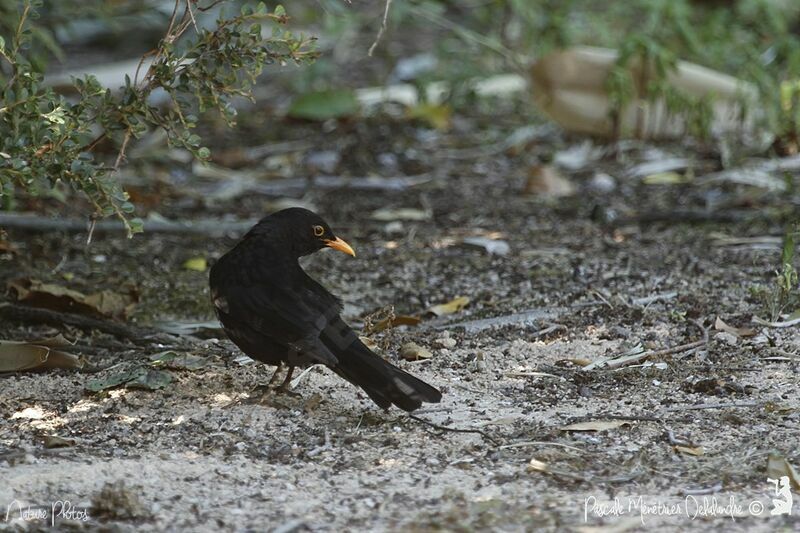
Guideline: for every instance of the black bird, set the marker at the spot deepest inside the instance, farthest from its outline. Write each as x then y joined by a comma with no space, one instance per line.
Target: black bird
275,313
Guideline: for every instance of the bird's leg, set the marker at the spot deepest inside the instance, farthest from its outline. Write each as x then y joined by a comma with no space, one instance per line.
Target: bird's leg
275,374
267,389
284,387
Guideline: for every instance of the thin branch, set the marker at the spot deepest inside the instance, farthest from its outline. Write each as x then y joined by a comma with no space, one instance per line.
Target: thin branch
382,29
455,430
25,314
710,406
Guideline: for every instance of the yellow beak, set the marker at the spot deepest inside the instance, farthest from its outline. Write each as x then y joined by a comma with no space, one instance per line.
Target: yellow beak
339,244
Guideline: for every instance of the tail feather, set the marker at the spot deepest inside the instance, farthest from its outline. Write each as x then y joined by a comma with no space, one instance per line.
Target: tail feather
383,382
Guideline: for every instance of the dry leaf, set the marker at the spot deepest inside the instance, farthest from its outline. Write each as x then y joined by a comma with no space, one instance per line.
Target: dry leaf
54,441
106,303
436,115
579,361
666,178
393,322
544,180
777,467
453,306
412,351
369,343
21,356
690,450
198,264
720,325
7,247
595,425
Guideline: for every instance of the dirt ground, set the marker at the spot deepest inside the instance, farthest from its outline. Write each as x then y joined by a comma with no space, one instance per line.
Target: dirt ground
688,431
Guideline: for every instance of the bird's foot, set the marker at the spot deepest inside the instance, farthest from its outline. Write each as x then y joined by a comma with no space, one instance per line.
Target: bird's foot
287,392
283,388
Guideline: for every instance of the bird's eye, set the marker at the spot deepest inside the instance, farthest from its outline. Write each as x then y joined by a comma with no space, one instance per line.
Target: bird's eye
319,231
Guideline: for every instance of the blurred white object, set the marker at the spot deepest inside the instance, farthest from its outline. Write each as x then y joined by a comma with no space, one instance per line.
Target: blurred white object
570,87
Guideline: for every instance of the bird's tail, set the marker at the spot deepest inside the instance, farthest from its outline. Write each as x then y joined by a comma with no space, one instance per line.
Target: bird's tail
383,382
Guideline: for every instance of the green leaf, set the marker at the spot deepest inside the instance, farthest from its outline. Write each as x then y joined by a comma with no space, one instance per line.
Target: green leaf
324,105
135,378
150,380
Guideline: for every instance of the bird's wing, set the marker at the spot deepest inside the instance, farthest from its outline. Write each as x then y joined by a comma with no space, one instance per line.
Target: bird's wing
293,313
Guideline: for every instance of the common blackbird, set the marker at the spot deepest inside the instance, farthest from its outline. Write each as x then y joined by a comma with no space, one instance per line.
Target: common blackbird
275,313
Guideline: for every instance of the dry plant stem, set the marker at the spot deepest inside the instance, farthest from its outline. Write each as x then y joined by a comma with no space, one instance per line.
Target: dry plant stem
611,365
454,430
710,406
529,443
40,223
382,28
787,324
26,314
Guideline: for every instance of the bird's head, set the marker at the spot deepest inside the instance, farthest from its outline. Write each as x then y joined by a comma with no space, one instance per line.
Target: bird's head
305,231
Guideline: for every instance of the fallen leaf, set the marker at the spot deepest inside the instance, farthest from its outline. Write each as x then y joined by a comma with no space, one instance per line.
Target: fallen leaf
666,178
54,441
436,115
778,467
324,105
21,356
544,180
491,246
393,322
198,264
387,214
720,325
178,361
595,425
135,378
7,247
106,303
579,361
690,450
412,351
453,306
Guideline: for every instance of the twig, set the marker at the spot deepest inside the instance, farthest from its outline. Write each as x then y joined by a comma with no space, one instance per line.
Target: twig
710,406
787,324
455,430
382,28
202,227
647,300
630,358
23,313
528,443
550,329
703,490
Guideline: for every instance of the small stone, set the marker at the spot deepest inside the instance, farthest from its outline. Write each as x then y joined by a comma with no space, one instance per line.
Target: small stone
602,183
727,338
445,342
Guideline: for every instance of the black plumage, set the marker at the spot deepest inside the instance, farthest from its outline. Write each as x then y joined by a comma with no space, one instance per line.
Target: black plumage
275,313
